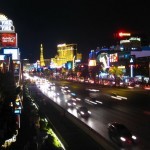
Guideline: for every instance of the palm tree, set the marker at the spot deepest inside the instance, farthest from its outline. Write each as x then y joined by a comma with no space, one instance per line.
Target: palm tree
116,72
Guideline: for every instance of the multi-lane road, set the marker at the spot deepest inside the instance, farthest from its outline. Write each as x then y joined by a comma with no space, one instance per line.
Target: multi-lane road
131,109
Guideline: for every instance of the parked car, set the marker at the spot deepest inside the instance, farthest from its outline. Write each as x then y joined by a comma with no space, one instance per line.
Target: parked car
120,134
83,111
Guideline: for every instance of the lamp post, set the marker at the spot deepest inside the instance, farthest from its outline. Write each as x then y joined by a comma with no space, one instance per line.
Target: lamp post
131,61
73,63
38,64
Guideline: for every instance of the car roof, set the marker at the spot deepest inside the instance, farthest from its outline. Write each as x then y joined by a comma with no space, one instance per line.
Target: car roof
119,126
70,100
83,108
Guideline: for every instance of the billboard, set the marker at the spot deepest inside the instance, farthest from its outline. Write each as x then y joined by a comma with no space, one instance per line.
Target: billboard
68,65
103,58
6,22
6,26
92,62
13,51
8,40
122,34
143,53
2,57
113,57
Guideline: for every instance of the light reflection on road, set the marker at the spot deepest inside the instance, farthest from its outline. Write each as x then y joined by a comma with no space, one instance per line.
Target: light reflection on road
100,124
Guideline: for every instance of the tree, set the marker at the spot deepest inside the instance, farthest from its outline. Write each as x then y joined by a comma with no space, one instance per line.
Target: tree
7,96
95,70
116,72
84,71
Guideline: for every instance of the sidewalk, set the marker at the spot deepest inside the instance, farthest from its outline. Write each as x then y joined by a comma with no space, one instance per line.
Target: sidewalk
25,131
32,135
72,135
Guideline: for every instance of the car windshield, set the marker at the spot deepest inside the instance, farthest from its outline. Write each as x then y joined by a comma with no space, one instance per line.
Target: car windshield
83,109
93,99
123,131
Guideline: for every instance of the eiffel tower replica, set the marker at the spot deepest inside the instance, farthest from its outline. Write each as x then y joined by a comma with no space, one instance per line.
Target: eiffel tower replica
42,63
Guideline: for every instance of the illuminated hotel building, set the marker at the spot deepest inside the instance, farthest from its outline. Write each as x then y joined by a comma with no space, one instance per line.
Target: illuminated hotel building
10,63
9,48
132,43
129,49
66,56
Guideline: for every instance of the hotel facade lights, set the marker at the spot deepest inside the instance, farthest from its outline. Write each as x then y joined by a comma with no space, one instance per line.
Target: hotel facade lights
66,56
132,43
9,48
129,46
92,59
42,63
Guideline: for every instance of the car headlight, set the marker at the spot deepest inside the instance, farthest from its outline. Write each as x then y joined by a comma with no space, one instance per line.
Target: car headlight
134,137
122,139
82,112
89,112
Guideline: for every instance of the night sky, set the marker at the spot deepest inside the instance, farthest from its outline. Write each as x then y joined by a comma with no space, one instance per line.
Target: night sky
88,23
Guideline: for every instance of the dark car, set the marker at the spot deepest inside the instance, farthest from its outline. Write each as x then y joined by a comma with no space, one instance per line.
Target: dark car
120,134
83,111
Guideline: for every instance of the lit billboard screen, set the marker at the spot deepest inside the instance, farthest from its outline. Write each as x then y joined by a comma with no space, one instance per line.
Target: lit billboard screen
6,22
6,26
13,51
104,58
113,57
121,34
2,57
8,40
143,53
68,65
92,63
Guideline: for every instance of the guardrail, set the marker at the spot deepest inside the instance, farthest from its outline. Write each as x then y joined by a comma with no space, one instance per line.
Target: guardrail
88,130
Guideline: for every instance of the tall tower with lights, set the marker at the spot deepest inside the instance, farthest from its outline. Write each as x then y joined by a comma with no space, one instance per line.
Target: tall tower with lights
42,63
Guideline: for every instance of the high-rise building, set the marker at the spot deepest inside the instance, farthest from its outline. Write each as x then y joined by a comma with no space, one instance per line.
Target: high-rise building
66,56
9,47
